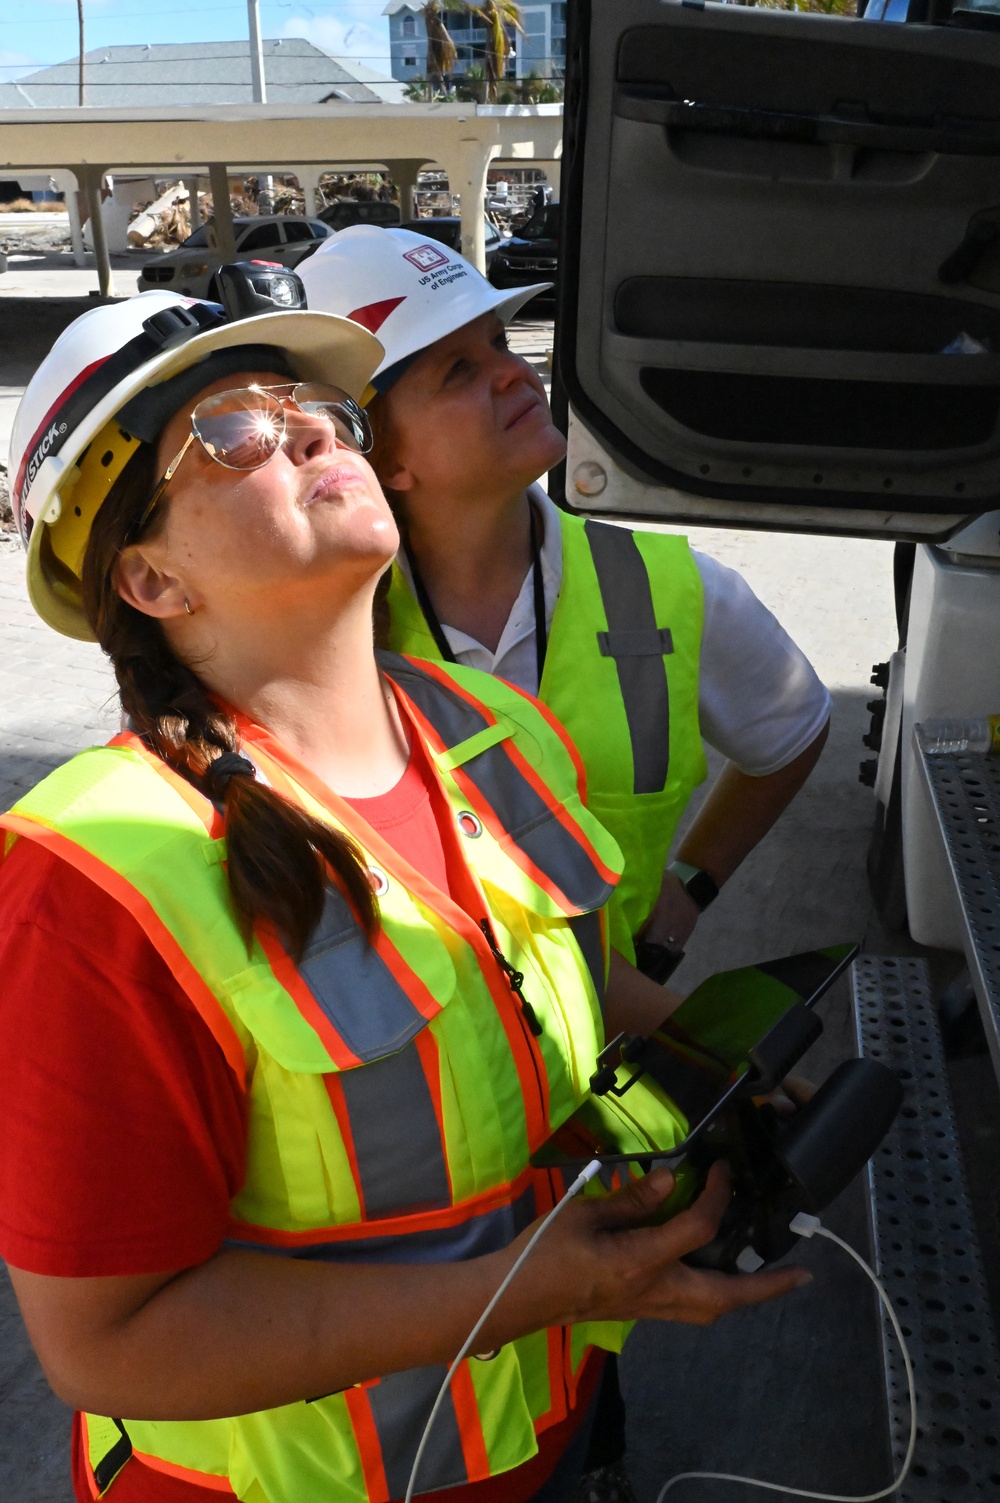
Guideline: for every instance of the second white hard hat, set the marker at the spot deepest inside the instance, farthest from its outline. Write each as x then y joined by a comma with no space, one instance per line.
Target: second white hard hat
408,290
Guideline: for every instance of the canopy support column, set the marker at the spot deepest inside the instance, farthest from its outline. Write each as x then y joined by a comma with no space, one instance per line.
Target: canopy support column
225,238
309,183
404,172
93,177
467,174
69,185
194,205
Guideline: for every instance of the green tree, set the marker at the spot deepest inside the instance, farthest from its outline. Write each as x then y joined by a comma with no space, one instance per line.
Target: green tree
536,90
471,85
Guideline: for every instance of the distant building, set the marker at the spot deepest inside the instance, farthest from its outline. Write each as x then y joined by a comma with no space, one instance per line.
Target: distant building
198,73
542,49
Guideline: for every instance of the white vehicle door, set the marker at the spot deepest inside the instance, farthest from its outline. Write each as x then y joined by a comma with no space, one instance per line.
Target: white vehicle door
300,238
263,242
780,268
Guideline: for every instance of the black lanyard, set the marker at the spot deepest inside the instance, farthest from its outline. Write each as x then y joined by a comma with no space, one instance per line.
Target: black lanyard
538,583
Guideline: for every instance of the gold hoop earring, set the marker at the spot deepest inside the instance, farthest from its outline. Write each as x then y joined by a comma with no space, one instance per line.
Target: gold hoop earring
187,606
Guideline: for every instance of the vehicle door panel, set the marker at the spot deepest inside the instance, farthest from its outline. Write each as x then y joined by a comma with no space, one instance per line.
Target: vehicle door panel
774,226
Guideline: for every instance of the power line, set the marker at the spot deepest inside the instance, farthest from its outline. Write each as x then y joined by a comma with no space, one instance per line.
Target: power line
190,10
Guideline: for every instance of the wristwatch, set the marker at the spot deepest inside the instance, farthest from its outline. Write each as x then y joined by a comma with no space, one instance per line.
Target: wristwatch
699,886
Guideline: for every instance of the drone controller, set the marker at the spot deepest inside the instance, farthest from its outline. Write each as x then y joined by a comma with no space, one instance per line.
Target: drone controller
699,1090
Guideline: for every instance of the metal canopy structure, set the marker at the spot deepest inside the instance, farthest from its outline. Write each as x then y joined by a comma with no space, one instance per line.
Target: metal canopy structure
306,139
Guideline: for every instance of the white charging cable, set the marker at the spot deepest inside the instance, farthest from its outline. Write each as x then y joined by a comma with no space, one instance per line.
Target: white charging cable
810,1226
583,1178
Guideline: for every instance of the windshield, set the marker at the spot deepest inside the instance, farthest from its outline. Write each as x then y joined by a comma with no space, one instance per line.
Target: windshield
542,226
200,237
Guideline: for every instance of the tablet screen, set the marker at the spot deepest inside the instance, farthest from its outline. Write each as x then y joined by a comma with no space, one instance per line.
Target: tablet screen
696,1060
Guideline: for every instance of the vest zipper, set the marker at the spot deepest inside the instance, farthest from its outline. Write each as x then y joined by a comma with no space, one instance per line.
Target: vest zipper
515,979
527,1017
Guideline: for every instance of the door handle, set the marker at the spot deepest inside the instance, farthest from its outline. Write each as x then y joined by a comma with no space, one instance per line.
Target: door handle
953,137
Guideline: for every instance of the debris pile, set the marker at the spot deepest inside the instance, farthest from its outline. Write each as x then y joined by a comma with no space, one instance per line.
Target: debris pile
165,220
8,531
28,237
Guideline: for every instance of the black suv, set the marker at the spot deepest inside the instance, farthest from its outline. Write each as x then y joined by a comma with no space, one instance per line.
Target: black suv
532,252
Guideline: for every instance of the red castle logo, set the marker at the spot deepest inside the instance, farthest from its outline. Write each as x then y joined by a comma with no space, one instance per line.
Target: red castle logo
426,257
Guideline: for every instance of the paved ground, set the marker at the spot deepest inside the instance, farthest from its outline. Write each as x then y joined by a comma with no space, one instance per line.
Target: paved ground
791,1393
39,271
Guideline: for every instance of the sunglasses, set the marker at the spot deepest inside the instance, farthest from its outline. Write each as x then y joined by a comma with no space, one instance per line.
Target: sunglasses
244,428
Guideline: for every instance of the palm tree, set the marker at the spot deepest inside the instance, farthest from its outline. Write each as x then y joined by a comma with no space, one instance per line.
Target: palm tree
471,84
498,15
441,53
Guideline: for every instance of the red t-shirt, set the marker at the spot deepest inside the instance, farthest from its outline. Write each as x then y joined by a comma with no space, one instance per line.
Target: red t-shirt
98,1034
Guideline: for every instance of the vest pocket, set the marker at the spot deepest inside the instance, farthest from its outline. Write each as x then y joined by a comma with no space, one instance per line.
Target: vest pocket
643,825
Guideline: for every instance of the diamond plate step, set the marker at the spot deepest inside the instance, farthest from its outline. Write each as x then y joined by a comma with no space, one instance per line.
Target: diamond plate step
965,792
926,1251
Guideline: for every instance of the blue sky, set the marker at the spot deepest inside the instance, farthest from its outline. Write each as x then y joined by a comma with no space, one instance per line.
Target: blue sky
46,30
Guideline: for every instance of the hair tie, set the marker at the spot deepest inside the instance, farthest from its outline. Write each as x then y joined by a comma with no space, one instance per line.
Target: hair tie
229,765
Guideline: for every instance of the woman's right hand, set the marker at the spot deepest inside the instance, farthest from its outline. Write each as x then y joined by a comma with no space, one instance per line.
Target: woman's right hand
601,1261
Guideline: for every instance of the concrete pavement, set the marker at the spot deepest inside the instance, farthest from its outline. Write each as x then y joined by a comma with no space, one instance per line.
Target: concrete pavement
39,271
55,695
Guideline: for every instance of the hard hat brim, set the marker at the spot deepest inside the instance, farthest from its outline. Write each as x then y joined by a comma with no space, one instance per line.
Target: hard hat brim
505,303
320,346
510,301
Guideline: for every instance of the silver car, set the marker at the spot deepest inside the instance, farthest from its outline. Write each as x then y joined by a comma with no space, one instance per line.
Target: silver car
189,269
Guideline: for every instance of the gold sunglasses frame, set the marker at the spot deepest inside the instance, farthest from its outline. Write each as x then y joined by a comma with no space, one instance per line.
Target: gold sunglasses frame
291,387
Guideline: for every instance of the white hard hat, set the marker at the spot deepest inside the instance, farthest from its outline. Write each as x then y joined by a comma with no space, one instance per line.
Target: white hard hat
409,290
101,363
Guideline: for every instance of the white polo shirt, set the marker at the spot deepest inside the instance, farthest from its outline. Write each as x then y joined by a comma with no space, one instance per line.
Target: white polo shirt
760,702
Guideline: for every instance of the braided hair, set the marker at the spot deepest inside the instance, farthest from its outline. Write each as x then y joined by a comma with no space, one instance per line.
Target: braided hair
279,857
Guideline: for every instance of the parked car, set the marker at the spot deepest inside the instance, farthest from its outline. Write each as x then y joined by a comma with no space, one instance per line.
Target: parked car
189,269
447,229
347,211
532,252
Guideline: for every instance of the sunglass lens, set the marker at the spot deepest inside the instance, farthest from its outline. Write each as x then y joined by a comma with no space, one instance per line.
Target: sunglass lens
240,429
337,407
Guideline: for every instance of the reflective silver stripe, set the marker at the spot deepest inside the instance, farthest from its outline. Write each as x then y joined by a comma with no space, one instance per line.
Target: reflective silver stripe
586,929
400,1405
405,1170
642,674
488,1232
524,814
533,827
354,987
454,719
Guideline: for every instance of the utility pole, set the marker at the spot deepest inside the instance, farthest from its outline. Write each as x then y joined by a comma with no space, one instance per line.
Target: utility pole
256,52
265,183
81,94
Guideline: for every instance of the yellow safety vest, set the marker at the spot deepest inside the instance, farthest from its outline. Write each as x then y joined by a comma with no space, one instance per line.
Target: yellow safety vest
621,674
395,1092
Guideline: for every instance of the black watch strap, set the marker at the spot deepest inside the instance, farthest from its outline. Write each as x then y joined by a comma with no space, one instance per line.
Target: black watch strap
699,886
656,961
